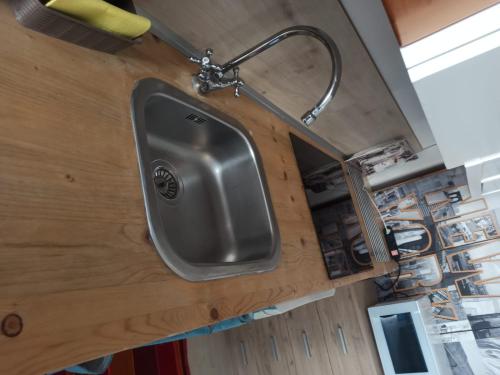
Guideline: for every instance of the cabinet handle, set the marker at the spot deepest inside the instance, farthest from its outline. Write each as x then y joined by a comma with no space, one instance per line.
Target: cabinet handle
274,347
307,348
341,338
243,350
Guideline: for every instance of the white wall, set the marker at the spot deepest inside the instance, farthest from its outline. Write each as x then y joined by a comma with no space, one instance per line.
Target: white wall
462,105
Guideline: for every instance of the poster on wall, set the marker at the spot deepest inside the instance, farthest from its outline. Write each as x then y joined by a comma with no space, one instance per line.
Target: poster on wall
450,247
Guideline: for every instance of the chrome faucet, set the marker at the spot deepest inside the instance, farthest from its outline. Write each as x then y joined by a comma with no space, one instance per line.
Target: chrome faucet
213,76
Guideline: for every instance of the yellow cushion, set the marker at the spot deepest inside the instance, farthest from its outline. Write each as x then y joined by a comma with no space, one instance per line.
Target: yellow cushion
103,15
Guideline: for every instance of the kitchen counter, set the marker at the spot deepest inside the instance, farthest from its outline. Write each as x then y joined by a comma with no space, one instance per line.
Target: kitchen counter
75,261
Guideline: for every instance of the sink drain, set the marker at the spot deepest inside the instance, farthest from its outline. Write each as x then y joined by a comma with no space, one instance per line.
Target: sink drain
166,183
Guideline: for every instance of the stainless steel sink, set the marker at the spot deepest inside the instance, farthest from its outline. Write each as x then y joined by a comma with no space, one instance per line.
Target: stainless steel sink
208,207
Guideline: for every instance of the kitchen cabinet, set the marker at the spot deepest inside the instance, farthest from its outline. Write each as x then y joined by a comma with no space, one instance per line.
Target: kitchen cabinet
307,340
244,349
345,334
417,19
273,347
216,355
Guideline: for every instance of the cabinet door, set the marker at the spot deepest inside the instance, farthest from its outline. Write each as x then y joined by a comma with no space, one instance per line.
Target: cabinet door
308,342
348,346
275,355
211,355
243,344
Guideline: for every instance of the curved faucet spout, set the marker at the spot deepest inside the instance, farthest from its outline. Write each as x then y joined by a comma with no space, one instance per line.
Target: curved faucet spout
211,76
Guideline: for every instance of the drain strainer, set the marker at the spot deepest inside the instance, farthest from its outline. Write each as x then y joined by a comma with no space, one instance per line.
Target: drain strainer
165,182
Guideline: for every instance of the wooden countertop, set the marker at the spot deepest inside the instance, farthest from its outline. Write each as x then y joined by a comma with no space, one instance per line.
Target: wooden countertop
75,263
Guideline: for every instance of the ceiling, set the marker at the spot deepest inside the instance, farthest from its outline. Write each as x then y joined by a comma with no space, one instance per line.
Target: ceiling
294,74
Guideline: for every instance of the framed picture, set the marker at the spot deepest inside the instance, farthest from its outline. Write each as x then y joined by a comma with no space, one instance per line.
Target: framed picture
475,259
409,214
412,239
452,194
478,286
467,230
448,210
394,198
382,156
419,272
444,311
439,296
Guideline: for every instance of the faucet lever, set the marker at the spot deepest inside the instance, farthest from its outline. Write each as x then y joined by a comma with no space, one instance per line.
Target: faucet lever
195,60
237,81
205,61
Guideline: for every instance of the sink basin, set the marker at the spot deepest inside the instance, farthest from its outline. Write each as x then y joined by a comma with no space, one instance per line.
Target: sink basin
208,207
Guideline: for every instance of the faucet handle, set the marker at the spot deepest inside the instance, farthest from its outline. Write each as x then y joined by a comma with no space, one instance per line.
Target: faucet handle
237,81
205,60
195,60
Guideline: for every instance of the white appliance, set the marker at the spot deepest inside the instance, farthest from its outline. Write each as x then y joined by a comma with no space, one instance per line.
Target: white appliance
405,340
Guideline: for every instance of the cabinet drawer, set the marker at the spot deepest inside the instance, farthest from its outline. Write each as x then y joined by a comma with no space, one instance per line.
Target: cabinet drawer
211,355
347,343
273,347
308,342
242,342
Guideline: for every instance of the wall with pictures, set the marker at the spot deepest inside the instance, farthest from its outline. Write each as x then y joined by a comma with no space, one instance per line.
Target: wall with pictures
450,246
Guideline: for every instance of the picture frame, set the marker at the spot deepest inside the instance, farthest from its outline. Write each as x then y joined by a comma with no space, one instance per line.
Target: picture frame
447,211
451,194
473,283
462,262
467,230
439,296
407,252
411,276
444,311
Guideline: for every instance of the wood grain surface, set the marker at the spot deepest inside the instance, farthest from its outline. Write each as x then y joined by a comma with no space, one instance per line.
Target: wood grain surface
75,262
294,74
319,320
413,20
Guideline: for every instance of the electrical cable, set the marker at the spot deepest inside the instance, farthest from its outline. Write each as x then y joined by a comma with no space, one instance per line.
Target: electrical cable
396,280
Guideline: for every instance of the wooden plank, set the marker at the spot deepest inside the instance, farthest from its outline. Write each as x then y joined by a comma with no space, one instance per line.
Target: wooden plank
415,19
75,261
272,345
365,295
243,346
308,342
348,308
210,355
295,74
338,317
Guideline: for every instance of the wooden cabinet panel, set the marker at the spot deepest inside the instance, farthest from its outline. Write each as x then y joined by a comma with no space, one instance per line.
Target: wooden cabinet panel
416,19
273,347
211,355
365,295
336,317
344,334
243,344
308,342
